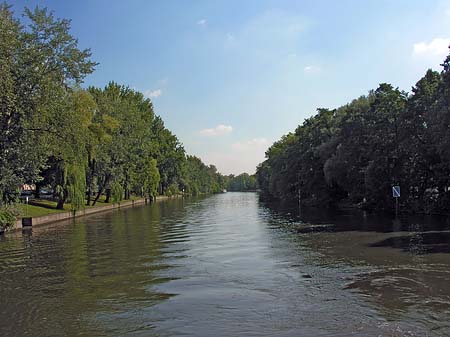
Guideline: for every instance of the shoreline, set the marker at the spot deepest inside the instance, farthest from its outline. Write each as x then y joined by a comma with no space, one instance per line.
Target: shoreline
50,218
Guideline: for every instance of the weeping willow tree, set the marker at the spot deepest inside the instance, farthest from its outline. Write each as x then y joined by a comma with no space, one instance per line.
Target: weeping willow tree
70,184
116,192
40,63
75,182
71,154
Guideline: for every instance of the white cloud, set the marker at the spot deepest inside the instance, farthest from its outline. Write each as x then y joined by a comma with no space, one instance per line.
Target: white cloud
153,93
312,69
437,47
202,22
219,130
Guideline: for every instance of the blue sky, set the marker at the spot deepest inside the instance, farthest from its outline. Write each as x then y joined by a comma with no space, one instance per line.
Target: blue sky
230,77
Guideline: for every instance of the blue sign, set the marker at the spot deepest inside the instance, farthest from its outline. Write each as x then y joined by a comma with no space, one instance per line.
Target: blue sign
396,191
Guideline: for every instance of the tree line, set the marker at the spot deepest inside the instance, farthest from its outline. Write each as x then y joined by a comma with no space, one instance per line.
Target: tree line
243,182
84,143
357,152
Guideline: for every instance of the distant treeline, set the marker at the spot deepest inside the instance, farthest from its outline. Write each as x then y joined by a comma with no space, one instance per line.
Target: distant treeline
241,183
357,152
81,143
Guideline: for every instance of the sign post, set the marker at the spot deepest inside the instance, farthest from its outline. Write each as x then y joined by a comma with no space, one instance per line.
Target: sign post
396,195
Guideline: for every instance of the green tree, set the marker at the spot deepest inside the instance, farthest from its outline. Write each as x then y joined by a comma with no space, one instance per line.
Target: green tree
40,64
357,152
243,182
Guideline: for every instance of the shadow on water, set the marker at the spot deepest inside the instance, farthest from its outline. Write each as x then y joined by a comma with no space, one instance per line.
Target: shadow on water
308,219
419,243
405,262
426,233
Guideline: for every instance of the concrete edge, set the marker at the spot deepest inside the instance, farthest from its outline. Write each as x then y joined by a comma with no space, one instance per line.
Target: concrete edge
46,219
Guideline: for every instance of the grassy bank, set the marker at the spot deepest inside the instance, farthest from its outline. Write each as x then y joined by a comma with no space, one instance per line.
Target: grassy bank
40,207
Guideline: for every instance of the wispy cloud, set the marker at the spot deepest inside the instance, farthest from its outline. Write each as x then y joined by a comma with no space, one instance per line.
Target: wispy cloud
202,22
312,69
153,93
241,156
250,145
436,47
447,10
163,82
266,35
219,130
274,27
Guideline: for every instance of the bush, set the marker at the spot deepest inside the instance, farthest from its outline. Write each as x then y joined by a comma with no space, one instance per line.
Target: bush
172,190
116,192
8,216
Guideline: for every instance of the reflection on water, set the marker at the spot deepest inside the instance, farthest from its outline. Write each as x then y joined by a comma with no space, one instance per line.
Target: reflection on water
225,265
405,262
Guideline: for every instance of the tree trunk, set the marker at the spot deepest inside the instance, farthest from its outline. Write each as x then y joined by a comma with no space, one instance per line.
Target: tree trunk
108,195
125,188
60,204
88,197
37,191
89,180
100,191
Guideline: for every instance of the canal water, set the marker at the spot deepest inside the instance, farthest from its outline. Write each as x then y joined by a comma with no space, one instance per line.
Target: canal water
227,265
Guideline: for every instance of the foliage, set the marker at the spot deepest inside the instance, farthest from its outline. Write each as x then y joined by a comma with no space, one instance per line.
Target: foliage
8,215
243,182
172,190
40,64
81,143
75,182
355,153
116,192
199,178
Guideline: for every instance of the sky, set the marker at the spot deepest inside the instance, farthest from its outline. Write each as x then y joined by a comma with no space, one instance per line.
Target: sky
231,77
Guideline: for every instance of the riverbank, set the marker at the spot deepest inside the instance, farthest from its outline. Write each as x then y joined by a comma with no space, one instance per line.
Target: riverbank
67,215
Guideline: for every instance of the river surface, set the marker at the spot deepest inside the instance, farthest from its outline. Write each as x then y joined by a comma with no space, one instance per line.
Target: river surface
227,265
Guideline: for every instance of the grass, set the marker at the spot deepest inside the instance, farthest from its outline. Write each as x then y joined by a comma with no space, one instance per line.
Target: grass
40,207
33,211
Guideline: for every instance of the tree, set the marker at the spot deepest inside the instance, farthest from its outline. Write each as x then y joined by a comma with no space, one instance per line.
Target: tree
40,64
422,166
383,126
80,142
355,153
146,177
243,182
